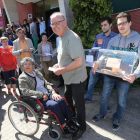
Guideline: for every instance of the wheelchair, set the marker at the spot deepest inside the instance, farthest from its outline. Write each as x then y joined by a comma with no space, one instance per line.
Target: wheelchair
26,114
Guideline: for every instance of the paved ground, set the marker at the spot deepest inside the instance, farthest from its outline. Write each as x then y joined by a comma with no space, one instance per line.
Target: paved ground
101,130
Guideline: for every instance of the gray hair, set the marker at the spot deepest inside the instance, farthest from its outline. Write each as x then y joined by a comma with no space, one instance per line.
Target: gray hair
27,59
18,29
57,14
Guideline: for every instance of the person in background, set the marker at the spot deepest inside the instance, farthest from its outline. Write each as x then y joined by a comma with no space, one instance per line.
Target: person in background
46,61
25,24
9,26
101,40
33,29
42,26
11,38
26,34
30,24
9,31
10,43
13,25
15,35
22,47
19,25
8,64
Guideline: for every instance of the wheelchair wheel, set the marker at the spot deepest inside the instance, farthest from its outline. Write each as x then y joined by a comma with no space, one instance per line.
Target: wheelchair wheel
23,118
54,135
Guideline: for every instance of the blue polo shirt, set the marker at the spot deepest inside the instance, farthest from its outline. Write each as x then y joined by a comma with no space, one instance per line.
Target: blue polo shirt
102,40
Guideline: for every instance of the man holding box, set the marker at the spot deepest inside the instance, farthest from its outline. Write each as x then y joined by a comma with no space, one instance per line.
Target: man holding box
101,40
127,40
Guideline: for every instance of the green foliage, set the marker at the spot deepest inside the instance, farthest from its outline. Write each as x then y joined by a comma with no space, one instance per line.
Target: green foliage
87,14
1,31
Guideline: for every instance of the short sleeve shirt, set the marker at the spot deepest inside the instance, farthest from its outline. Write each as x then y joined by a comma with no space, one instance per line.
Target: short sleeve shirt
70,47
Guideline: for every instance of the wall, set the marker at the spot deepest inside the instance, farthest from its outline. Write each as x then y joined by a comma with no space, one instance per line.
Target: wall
135,17
63,6
24,10
2,19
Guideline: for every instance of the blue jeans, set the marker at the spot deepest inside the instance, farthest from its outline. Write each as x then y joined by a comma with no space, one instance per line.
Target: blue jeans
93,79
121,88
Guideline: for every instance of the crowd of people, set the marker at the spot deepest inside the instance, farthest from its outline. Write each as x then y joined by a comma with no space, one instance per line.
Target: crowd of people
21,41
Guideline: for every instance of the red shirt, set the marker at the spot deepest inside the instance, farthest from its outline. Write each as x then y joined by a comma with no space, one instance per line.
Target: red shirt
7,60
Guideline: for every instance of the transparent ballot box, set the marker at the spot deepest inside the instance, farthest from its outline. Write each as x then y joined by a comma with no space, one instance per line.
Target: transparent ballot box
90,57
117,63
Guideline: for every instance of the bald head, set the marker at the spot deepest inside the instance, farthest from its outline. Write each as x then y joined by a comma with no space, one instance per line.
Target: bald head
57,14
58,24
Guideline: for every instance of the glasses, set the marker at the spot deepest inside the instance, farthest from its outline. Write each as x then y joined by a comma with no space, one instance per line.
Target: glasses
29,64
56,23
122,24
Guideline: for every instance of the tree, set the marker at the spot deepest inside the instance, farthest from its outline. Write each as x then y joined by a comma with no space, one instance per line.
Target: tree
87,15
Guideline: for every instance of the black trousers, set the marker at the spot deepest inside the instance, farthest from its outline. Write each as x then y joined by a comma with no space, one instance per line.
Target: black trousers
9,74
60,108
76,92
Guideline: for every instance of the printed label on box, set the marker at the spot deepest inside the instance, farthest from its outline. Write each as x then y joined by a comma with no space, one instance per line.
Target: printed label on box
113,63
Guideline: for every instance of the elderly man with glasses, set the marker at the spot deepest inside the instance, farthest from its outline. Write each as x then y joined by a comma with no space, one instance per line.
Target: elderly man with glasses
71,64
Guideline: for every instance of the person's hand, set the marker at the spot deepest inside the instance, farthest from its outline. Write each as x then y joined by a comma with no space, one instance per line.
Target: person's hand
31,50
22,50
130,78
56,66
45,97
94,67
58,71
44,55
56,97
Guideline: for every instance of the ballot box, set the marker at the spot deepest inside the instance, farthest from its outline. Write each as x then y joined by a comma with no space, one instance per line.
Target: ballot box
117,63
90,57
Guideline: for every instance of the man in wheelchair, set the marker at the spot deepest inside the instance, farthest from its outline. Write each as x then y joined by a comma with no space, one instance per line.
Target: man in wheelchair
32,83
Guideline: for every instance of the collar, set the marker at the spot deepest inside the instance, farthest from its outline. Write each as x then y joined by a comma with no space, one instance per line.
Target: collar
111,34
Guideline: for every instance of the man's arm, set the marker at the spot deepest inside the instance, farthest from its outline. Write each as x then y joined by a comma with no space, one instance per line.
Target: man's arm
72,66
15,52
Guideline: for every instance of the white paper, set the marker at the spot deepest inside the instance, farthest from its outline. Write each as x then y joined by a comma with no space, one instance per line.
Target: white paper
89,58
48,54
51,69
95,48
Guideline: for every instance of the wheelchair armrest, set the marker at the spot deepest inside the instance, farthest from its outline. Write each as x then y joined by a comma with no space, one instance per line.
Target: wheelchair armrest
28,97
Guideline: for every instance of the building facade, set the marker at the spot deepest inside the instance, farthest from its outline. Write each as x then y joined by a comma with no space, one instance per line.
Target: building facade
18,10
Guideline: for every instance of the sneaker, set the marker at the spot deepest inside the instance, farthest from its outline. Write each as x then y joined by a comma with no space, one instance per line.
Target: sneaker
108,109
97,117
116,124
87,100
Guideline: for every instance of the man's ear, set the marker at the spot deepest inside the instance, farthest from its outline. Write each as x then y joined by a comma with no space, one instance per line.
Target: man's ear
130,23
110,25
65,22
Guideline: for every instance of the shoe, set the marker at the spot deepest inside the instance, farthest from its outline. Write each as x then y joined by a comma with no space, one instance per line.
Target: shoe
97,117
9,91
78,134
14,91
87,100
116,124
73,124
68,129
108,109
